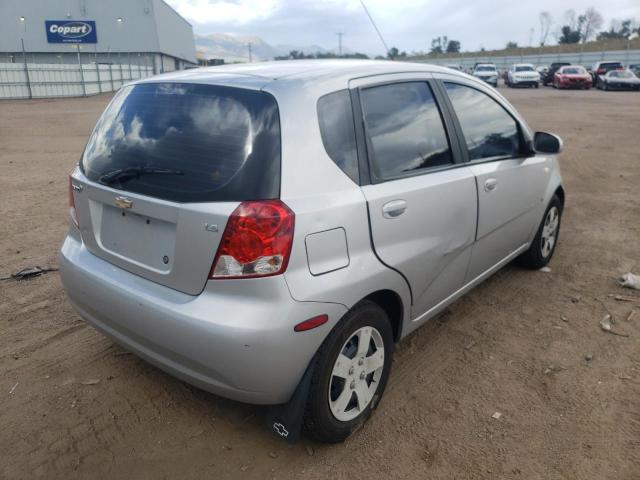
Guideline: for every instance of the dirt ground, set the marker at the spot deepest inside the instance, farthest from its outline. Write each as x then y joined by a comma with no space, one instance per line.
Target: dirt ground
518,344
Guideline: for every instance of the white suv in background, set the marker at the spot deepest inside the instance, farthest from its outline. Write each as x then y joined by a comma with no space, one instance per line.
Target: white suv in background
523,74
487,73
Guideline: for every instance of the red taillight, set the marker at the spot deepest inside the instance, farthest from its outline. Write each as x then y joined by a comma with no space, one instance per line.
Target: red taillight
256,242
72,203
311,323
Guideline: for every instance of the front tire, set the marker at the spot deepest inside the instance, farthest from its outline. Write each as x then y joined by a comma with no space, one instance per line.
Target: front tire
351,374
544,244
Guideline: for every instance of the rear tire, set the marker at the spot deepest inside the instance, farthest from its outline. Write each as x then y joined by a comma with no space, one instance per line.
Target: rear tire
544,244
349,379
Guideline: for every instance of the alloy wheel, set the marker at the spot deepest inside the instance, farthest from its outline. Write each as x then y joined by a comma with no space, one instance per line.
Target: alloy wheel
549,231
356,374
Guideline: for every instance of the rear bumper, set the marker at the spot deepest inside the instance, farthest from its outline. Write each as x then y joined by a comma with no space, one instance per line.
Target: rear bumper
235,339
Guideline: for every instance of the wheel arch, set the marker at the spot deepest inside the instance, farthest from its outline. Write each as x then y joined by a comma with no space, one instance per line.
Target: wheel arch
392,304
560,194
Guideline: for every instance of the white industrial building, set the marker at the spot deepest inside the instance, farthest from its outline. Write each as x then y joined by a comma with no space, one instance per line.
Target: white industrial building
139,32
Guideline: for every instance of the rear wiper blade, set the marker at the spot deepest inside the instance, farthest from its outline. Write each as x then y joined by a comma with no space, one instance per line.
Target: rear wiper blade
123,174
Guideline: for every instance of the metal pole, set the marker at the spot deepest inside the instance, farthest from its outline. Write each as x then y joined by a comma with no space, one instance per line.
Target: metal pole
129,60
26,69
628,46
84,87
120,63
111,77
250,57
339,43
95,59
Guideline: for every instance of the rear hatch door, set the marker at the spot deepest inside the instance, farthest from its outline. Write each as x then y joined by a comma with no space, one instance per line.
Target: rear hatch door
165,167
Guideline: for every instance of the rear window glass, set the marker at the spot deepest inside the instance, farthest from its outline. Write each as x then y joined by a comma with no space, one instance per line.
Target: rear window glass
338,134
188,143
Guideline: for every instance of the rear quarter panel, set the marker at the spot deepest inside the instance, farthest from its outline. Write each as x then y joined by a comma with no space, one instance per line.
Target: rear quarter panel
324,198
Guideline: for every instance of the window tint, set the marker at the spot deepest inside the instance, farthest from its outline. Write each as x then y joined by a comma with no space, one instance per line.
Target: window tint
337,131
488,129
405,129
188,143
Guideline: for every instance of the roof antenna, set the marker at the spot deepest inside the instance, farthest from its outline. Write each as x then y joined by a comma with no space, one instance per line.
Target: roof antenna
386,49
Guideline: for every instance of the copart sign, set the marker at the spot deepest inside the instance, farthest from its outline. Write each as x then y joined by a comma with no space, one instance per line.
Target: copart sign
71,31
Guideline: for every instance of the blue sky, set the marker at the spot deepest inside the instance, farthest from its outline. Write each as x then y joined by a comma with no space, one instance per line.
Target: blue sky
407,24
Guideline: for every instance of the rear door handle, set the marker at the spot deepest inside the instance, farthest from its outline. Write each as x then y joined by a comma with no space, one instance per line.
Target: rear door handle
394,208
490,184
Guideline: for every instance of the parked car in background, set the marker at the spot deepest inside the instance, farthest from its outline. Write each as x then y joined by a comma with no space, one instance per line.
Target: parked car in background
572,76
542,70
486,72
618,80
522,75
454,67
635,68
601,68
553,68
242,270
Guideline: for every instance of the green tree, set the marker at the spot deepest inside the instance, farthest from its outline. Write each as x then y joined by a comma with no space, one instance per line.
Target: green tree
569,35
453,46
511,45
439,44
619,29
393,53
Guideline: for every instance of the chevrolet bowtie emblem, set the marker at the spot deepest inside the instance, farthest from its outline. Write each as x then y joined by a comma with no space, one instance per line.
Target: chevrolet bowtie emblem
123,202
280,429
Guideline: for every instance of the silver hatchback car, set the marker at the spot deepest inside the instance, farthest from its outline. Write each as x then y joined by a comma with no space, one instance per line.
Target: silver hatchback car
267,232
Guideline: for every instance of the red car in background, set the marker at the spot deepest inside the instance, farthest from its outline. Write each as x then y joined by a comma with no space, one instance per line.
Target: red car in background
572,76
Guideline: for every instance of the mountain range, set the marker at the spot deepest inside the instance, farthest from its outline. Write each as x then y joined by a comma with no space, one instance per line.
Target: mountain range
235,48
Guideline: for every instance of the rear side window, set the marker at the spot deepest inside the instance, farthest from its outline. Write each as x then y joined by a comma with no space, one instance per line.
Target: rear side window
338,134
188,143
487,127
405,129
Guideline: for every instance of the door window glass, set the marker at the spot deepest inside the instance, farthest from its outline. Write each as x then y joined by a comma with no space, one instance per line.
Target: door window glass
405,129
487,127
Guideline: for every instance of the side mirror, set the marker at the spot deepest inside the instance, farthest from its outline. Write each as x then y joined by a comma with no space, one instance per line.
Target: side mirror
544,142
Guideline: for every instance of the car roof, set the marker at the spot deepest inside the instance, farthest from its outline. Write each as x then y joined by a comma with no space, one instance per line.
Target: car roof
308,71
523,65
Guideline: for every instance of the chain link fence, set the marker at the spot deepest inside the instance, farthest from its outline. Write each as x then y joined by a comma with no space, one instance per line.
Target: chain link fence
41,80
